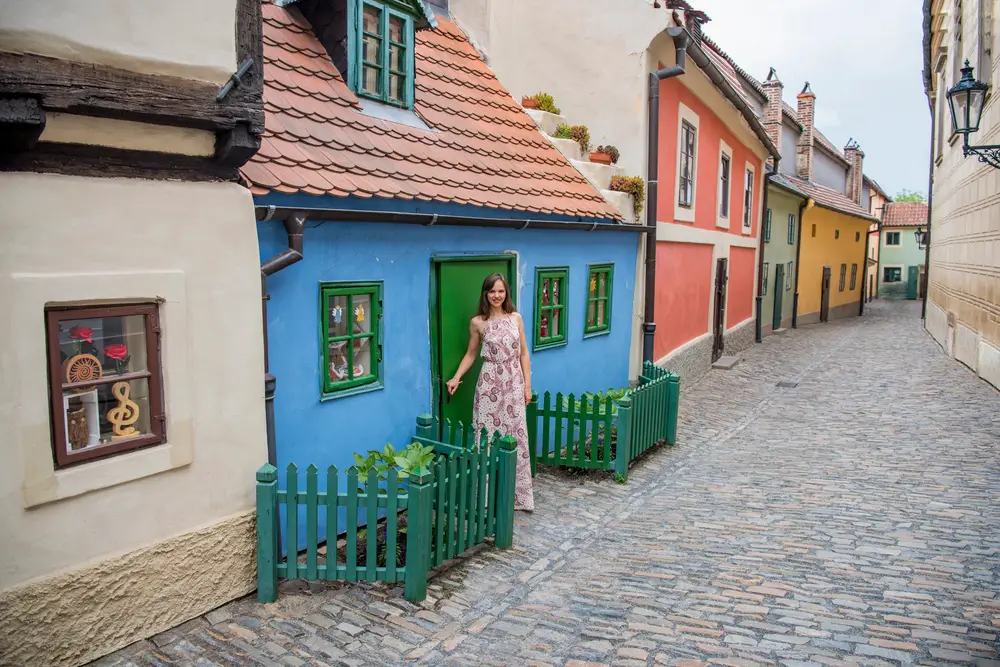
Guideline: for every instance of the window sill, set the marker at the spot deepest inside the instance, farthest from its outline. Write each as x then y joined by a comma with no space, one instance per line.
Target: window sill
953,139
595,334
722,223
347,393
540,347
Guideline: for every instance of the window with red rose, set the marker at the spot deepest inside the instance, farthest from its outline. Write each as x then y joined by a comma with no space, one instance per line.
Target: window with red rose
105,384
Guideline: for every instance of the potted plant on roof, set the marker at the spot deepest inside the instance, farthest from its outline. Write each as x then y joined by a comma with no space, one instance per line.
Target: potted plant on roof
605,155
578,133
540,101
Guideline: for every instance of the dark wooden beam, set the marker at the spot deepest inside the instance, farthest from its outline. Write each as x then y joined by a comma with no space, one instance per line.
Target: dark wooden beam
22,120
102,161
235,147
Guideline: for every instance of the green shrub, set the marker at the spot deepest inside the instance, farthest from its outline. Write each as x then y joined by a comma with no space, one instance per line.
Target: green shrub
578,133
632,185
544,102
610,150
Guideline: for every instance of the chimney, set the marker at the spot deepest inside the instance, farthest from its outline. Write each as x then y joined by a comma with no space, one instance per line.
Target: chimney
804,151
855,173
772,112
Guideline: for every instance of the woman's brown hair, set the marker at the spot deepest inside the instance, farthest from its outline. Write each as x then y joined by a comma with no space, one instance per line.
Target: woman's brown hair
484,299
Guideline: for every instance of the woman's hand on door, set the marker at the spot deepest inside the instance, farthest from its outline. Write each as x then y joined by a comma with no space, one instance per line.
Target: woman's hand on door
452,385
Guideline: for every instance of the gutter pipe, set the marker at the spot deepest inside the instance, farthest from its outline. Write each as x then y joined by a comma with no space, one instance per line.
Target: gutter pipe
760,255
295,223
681,39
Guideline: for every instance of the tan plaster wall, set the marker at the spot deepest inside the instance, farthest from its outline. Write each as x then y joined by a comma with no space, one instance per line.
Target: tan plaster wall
193,39
964,271
128,135
73,617
193,244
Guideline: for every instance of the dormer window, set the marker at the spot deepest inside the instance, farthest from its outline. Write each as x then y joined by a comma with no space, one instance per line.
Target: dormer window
381,49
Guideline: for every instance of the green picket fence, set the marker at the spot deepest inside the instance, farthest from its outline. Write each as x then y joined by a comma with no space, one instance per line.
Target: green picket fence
463,497
600,433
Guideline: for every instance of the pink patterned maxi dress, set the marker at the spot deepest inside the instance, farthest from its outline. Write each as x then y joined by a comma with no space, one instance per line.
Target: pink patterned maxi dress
499,401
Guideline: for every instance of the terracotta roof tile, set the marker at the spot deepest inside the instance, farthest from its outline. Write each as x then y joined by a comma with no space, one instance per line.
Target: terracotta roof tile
905,214
831,199
482,148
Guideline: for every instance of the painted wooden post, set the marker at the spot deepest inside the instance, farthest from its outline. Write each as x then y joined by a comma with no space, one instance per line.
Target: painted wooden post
674,391
425,427
623,447
418,534
267,530
507,479
532,415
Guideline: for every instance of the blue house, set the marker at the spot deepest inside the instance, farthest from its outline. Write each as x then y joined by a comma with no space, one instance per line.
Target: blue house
395,174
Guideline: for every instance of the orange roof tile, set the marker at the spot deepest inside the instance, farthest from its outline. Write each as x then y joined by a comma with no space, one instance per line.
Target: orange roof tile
905,214
482,148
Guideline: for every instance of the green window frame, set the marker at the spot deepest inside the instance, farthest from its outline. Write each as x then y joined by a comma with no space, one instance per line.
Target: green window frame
350,337
381,51
791,229
764,277
767,227
597,315
551,297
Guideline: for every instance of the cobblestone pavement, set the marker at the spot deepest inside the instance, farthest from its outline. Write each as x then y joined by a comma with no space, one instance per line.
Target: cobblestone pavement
851,520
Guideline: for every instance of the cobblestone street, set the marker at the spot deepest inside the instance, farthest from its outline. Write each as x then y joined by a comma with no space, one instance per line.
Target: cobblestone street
853,519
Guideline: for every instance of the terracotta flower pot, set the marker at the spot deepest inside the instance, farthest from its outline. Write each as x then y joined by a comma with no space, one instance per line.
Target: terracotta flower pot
529,103
600,158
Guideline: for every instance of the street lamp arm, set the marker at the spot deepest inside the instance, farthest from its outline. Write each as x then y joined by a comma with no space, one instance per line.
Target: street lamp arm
987,154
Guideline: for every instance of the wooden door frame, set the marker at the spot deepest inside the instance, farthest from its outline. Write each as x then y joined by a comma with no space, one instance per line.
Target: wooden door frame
719,327
432,309
828,289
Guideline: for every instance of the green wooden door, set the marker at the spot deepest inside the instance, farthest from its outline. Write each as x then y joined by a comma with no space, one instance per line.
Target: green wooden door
456,292
779,292
912,279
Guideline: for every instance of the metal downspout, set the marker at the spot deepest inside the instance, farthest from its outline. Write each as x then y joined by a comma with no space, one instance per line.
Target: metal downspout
930,213
294,226
760,255
798,255
680,37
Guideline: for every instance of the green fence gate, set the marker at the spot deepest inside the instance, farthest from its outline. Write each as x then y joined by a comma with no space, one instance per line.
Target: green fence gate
465,496
599,432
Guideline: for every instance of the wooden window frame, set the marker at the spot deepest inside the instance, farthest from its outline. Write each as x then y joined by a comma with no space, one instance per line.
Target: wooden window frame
749,181
725,185
357,62
687,171
330,389
791,228
767,227
540,342
892,268
893,235
843,277
592,272
153,376
854,276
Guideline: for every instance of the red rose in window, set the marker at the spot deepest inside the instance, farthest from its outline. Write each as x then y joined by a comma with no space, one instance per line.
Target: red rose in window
116,351
82,333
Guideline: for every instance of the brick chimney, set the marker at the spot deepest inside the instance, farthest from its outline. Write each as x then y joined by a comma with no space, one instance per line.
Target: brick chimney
772,112
855,173
804,151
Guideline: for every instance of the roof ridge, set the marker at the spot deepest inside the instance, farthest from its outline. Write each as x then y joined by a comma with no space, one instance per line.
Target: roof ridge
754,83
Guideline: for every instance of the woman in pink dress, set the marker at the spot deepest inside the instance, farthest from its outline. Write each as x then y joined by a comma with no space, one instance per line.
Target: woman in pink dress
504,386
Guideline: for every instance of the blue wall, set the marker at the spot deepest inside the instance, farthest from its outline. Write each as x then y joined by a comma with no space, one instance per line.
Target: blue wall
325,433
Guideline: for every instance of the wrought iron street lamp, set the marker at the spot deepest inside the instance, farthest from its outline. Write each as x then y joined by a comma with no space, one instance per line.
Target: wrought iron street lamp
966,99
921,238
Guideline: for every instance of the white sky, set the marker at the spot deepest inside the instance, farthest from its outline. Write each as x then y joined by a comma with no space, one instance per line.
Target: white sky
864,61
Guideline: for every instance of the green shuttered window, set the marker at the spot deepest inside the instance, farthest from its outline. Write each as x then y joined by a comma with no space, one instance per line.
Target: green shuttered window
600,280
351,333
381,66
767,227
550,307
791,229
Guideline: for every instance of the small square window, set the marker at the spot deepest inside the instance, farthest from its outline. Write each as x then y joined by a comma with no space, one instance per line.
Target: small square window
551,285
104,380
600,283
351,337
814,230
892,274
836,233
857,236
764,279
892,238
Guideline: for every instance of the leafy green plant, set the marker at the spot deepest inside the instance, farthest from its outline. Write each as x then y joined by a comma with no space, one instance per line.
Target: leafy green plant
620,478
610,150
632,185
578,133
406,461
544,102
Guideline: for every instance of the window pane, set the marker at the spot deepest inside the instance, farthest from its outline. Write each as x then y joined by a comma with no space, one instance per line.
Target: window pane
556,284
372,19
590,314
101,347
397,88
556,323
593,285
107,413
600,313
395,29
602,284
543,325
362,358
371,82
545,292
361,319
337,318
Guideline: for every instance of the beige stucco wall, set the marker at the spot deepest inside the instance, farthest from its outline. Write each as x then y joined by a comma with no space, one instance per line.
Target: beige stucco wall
964,269
73,239
63,128
192,39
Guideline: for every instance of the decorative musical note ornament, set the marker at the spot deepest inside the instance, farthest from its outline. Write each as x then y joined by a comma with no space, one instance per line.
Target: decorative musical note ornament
124,414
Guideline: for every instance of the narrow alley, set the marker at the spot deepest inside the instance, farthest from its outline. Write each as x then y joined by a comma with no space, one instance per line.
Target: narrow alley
851,517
